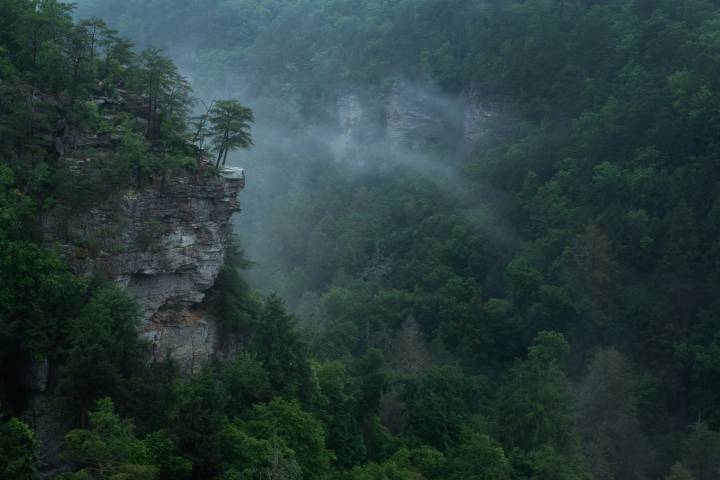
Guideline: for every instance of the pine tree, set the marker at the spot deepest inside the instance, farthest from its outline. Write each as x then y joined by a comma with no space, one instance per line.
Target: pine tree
18,451
230,124
108,449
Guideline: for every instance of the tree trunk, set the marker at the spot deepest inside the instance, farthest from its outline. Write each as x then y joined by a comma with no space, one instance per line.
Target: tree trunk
220,154
223,149
151,92
92,44
76,77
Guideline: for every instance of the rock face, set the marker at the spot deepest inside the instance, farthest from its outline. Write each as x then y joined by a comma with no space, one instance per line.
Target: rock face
50,426
191,337
411,117
350,118
165,243
479,116
34,374
43,416
414,117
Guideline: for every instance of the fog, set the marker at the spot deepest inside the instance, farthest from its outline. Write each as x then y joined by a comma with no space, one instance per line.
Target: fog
409,129
510,188
290,150
397,127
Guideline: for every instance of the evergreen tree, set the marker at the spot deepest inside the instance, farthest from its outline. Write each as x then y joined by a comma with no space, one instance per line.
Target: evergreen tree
103,350
108,448
18,451
478,457
679,472
533,416
607,418
230,124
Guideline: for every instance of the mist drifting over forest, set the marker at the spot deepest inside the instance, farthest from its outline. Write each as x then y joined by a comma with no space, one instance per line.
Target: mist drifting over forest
400,123
473,239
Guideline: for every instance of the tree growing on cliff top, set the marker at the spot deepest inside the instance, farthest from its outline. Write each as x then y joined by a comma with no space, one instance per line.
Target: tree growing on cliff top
230,124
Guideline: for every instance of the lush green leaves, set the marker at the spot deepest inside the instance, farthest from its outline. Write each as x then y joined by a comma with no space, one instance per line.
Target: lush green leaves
230,124
108,449
18,451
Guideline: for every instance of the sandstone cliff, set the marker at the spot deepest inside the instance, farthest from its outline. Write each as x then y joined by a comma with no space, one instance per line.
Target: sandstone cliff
165,243
413,117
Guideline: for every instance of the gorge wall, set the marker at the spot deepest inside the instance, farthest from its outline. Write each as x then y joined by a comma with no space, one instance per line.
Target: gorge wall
165,243
412,117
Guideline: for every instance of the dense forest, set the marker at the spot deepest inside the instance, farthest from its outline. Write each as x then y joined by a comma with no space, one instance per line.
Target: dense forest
540,306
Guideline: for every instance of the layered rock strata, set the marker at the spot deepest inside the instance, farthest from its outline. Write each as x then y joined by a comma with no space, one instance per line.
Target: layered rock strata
165,243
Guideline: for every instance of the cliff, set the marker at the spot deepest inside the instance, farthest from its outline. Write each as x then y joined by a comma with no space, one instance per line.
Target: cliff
165,243
414,117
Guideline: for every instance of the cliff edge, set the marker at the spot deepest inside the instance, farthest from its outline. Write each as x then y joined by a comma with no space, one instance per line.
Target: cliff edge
165,243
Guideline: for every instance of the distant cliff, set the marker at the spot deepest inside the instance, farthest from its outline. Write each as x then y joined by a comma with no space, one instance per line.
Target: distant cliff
414,117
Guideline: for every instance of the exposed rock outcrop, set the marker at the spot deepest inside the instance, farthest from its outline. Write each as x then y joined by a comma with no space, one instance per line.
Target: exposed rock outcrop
412,117
166,245
191,337
350,119
35,374
479,116
50,426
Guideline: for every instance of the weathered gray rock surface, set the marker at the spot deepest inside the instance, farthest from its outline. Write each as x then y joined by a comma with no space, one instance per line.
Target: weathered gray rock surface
166,245
412,117
44,416
479,116
350,118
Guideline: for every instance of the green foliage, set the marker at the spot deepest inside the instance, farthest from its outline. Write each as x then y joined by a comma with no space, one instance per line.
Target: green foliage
230,124
14,206
231,298
701,452
71,92
523,280
679,472
167,93
607,417
18,451
108,448
479,457
605,187
165,456
38,295
533,416
203,432
385,471
246,381
439,404
546,463
295,429
134,155
283,353
341,392
103,349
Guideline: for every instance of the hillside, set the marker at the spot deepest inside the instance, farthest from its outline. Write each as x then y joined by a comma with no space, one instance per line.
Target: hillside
495,225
